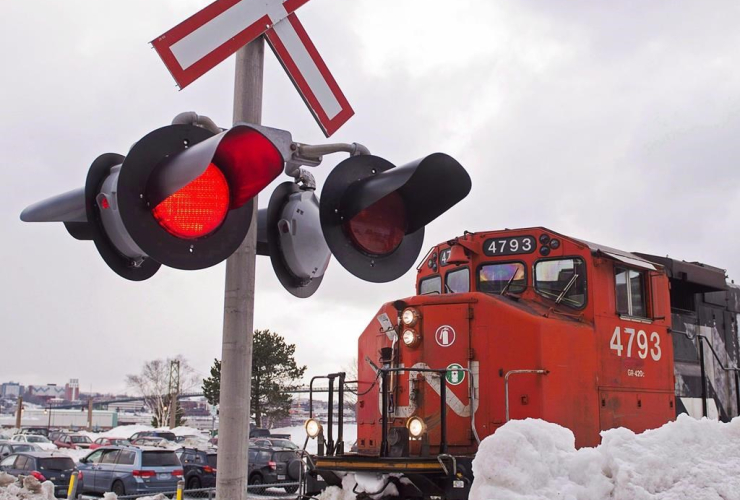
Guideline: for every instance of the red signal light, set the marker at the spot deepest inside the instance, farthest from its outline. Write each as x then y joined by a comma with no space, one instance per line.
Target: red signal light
197,209
379,229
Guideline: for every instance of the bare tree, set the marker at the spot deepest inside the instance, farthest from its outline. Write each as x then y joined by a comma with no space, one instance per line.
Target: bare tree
153,384
350,390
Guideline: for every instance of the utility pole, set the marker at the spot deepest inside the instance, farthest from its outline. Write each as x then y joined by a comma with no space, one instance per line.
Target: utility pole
89,414
19,413
236,353
174,391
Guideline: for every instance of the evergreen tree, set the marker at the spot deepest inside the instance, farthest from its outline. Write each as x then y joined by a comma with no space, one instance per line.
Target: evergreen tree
212,384
273,372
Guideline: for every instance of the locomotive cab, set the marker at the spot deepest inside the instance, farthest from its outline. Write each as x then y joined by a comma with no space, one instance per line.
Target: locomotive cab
512,324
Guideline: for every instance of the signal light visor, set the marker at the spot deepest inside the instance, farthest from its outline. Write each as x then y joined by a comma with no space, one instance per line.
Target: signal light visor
416,427
197,209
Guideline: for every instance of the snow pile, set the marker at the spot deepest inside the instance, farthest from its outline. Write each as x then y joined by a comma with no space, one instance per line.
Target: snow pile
27,489
686,459
371,484
75,455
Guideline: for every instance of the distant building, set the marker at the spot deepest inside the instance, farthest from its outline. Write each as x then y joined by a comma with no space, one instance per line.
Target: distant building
11,390
47,392
72,390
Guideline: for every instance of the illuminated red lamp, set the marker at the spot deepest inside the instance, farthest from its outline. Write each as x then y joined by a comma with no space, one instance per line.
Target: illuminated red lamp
197,209
379,229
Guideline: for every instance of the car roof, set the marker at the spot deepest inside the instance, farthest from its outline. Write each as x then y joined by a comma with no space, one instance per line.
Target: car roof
44,454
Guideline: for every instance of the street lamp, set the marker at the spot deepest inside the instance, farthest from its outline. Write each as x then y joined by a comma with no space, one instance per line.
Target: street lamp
48,422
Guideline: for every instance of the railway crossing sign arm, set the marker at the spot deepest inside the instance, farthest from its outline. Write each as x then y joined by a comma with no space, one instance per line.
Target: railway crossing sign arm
196,45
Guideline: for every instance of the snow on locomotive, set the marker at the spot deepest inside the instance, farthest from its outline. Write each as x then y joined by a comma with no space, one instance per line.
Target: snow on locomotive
529,323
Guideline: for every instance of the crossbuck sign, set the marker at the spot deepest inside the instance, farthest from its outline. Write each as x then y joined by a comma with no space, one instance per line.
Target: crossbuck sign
193,47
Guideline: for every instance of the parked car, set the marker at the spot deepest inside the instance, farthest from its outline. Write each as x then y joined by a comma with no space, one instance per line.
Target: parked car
273,466
128,470
8,448
270,442
44,466
169,436
108,442
150,441
74,441
41,431
41,441
199,467
54,435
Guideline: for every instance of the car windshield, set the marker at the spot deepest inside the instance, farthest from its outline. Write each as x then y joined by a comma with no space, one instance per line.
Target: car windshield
36,439
23,447
80,439
159,459
284,443
56,463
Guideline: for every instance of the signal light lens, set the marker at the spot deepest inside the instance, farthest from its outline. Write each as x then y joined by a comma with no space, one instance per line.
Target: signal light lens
313,427
410,338
197,209
410,316
416,427
380,228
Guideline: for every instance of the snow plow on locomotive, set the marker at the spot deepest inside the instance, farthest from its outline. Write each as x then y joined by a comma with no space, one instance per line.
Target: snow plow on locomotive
529,323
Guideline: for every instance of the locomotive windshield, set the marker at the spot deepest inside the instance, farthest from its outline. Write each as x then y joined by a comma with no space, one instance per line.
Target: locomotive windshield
563,280
430,285
497,278
458,281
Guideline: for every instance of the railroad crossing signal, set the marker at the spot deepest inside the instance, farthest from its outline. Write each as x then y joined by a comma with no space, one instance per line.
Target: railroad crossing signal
181,197
373,213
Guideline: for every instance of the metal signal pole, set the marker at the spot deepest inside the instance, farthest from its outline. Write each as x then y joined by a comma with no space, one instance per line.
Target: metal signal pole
236,353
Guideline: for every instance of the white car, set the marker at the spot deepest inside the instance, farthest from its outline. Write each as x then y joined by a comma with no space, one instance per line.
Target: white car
40,441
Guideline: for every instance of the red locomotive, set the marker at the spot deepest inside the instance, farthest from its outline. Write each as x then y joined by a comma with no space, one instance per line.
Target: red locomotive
530,323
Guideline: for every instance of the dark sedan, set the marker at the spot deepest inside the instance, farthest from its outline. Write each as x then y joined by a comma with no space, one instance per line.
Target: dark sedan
44,466
199,467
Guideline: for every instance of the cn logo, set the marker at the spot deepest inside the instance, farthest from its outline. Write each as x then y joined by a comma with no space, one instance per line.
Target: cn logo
445,335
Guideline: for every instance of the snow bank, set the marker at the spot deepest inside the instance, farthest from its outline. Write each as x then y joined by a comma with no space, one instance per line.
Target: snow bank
28,489
686,459
371,484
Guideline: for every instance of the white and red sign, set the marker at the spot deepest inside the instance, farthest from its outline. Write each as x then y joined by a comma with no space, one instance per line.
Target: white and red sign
445,335
193,47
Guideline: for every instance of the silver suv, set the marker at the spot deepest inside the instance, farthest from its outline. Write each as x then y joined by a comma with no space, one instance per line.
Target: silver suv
130,470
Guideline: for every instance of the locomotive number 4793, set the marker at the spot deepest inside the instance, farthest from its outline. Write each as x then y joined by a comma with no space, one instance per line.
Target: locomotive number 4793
645,346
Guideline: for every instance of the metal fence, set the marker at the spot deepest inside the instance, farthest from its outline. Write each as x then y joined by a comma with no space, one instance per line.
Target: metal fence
275,491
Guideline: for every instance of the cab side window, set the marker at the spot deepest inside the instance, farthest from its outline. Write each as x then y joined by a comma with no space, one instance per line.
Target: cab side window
630,292
429,285
458,281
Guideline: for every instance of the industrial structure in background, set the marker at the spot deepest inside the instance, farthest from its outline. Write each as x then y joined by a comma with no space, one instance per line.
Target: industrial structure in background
529,323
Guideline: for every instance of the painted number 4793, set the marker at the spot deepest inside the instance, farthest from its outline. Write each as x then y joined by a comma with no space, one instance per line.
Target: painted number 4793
644,345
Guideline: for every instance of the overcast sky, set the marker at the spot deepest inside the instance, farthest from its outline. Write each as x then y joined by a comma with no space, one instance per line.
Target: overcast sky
616,122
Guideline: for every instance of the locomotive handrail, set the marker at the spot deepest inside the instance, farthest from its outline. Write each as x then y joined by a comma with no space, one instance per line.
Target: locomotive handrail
702,339
506,383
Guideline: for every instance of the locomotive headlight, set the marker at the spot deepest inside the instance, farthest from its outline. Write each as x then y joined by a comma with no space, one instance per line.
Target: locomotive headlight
416,427
313,427
411,338
410,316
